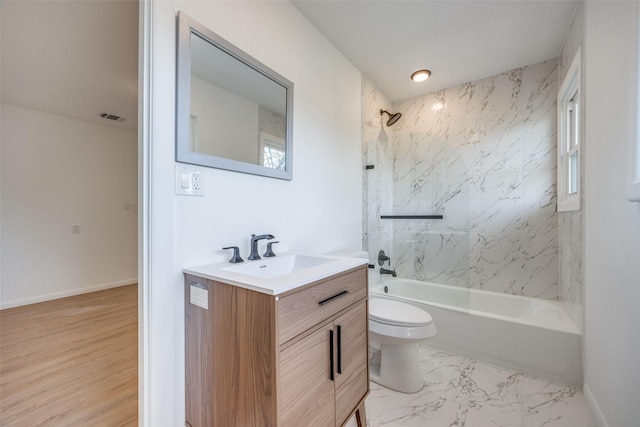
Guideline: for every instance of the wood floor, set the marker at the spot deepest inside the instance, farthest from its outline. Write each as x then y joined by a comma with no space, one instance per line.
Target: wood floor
71,362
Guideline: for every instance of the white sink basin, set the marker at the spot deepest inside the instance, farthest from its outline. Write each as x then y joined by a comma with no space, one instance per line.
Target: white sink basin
279,274
277,266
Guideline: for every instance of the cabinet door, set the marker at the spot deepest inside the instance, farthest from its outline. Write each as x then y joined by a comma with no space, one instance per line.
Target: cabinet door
352,369
306,389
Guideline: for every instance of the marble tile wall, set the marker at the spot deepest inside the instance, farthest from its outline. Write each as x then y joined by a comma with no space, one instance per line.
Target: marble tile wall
570,224
483,154
272,123
377,191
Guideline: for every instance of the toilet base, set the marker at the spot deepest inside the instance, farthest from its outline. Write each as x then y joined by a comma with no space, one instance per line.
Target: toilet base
396,367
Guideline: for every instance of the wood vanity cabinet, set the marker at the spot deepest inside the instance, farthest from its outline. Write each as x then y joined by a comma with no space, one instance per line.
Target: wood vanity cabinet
294,359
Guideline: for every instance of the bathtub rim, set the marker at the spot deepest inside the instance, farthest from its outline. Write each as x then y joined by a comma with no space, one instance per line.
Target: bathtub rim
570,327
545,353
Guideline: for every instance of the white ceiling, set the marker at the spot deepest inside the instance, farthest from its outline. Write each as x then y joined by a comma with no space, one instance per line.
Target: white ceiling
79,58
459,41
74,58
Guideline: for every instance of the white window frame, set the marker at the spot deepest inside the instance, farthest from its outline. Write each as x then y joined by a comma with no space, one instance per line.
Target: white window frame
268,140
569,139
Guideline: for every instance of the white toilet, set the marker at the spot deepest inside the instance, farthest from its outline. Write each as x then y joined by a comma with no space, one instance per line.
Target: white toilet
395,329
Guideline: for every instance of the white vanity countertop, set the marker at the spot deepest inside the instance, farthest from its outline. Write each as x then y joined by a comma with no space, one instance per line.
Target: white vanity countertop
276,275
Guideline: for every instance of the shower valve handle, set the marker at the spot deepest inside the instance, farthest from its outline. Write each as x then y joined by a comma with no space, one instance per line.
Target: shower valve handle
382,258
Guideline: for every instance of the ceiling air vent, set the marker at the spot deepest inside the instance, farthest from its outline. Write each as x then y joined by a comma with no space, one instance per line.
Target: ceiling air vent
111,117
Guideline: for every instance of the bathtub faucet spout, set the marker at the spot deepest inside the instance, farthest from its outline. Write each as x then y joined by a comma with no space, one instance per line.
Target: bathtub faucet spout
385,271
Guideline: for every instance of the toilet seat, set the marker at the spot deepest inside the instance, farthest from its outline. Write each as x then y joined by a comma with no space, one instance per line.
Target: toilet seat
396,313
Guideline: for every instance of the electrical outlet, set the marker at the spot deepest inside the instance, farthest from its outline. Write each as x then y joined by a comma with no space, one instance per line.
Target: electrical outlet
75,228
127,207
189,181
195,181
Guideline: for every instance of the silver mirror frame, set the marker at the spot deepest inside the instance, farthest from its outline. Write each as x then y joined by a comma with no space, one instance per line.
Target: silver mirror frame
185,27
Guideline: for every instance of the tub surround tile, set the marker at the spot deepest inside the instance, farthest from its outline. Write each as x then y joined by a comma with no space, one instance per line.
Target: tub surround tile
404,253
483,155
458,203
271,122
442,257
486,161
461,392
571,268
570,225
500,203
378,148
537,154
498,263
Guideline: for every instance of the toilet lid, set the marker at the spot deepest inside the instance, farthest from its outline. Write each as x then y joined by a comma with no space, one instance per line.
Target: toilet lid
397,313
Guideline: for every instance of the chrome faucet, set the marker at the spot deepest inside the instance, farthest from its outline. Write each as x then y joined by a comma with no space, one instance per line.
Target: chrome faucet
385,271
254,245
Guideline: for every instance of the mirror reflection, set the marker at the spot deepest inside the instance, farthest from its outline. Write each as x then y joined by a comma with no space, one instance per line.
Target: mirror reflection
239,111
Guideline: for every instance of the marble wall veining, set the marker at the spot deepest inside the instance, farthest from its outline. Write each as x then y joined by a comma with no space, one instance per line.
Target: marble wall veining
377,191
483,154
272,123
570,224
464,392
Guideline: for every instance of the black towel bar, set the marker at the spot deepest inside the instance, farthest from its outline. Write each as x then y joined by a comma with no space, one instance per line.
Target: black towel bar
411,216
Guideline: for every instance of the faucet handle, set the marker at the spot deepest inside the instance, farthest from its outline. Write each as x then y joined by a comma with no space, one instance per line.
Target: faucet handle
269,252
236,255
382,258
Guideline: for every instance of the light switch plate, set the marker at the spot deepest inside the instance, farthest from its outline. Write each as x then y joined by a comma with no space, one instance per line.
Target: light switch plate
189,181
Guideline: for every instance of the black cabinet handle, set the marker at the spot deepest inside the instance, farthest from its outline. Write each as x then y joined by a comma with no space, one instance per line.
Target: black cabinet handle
331,377
339,350
338,295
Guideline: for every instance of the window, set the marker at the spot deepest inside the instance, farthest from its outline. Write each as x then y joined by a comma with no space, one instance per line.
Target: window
272,151
569,139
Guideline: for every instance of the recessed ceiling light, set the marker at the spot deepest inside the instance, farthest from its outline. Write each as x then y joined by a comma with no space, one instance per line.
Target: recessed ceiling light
420,75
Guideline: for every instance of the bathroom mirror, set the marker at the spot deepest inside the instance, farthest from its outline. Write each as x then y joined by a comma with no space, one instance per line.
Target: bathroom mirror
232,111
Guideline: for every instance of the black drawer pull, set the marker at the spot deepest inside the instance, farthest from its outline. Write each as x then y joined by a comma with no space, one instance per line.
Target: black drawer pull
339,349
338,295
331,377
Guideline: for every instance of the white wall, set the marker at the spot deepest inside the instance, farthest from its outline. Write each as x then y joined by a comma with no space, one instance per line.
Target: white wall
227,124
612,224
319,211
58,171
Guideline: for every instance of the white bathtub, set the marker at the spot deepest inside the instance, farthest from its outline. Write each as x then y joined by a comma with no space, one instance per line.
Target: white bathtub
525,334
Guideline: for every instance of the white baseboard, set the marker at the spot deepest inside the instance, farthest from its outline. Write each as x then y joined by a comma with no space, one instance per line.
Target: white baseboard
593,407
64,294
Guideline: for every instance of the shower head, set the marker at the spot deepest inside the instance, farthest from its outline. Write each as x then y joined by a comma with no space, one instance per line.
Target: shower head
392,117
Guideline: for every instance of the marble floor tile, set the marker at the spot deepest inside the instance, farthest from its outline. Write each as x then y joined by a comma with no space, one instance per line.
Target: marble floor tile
463,392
